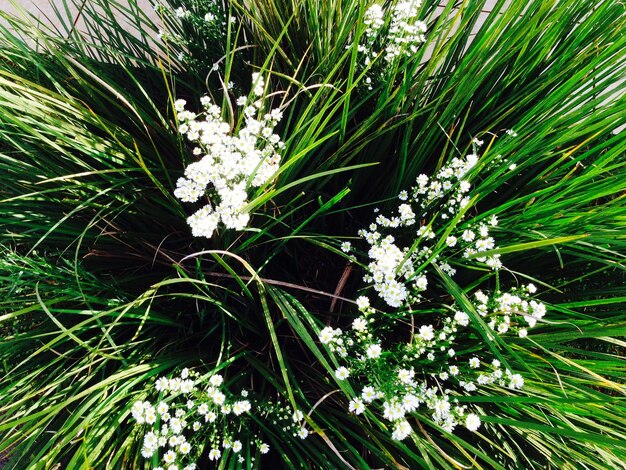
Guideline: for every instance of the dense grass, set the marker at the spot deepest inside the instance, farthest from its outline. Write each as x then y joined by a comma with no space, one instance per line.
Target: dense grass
103,289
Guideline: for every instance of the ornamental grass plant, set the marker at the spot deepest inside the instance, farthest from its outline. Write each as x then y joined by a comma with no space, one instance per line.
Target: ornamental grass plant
338,234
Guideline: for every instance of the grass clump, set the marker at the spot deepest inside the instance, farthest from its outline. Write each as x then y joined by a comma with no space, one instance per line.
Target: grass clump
322,235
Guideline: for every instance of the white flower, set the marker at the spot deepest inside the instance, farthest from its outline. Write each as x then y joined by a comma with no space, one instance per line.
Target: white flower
276,114
242,406
461,318
406,375
150,416
373,351
342,373
421,283
218,397
147,452
369,394
216,380
214,454
472,422
179,105
468,236
401,430
359,324
137,411
451,241
516,381
264,448
186,386
474,362
203,222
406,214
176,425
328,334
169,457
410,402
531,288
356,406
345,247
237,446
162,384
523,332
426,332
393,410
363,302
184,448
303,433
258,83
162,408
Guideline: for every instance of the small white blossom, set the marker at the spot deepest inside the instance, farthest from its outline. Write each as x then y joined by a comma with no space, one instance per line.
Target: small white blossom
426,332
406,375
369,394
342,373
359,324
169,457
516,381
356,406
472,422
240,407
373,351
184,448
363,302
401,430
216,380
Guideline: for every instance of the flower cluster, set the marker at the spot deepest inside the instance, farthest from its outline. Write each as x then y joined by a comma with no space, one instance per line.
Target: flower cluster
398,272
181,413
192,29
425,368
230,163
186,418
511,311
425,373
394,34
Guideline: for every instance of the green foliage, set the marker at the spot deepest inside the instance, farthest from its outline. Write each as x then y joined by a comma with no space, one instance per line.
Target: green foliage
103,289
